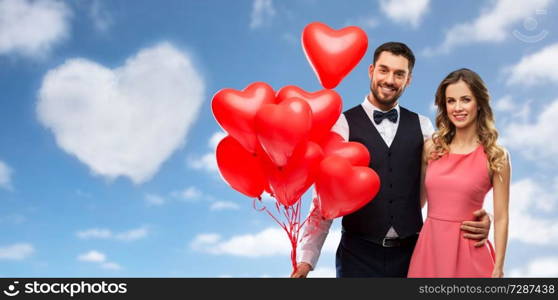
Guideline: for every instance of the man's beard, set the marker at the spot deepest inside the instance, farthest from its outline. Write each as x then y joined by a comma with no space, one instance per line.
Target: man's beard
385,101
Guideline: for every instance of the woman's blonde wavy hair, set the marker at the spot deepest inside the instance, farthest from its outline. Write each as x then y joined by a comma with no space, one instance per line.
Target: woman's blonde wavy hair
486,130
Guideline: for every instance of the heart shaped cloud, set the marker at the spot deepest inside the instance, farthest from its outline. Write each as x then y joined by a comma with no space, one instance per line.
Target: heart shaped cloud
125,121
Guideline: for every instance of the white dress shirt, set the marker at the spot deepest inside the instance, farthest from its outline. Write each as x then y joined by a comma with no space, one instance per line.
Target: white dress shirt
316,228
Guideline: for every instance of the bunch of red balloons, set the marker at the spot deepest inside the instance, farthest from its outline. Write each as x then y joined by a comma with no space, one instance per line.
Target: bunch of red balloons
280,142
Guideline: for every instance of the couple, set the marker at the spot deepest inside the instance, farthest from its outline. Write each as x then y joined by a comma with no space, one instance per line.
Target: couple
452,169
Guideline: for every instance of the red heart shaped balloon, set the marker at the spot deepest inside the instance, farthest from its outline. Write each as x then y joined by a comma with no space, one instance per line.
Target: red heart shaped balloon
331,138
290,182
280,128
326,107
333,53
342,188
356,153
241,169
236,110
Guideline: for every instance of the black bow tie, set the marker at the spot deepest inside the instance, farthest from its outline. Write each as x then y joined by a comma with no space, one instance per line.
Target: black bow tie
390,115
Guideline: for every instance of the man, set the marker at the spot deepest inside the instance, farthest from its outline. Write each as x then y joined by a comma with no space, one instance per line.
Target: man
378,240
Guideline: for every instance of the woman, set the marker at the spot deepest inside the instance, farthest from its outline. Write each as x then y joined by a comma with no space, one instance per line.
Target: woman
461,164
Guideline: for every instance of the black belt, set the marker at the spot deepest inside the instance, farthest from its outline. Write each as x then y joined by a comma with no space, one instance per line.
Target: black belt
399,242
385,241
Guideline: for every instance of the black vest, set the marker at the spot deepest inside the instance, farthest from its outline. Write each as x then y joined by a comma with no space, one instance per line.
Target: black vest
397,203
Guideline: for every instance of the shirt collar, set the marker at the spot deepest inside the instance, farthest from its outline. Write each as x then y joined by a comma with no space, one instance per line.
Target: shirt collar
370,108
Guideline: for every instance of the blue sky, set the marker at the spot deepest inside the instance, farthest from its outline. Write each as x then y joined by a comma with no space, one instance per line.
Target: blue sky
107,139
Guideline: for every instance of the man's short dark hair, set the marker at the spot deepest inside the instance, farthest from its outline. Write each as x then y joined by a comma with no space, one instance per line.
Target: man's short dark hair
396,48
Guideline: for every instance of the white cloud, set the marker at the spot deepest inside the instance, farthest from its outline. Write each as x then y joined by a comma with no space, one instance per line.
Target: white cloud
132,235
95,233
322,273
83,194
216,138
111,266
189,194
262,13
18,251
267,198
5,176
494,24
368,22
531,203
92,256
224,205
539,267
208,161
290,38
192,194
405,11
512,111
99,258
103,233
504,104
540,68
139,114
100,16
268,242
32,28
332,241
535,140
154,200
202,241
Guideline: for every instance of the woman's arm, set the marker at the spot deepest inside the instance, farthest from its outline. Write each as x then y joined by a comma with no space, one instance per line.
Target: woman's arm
501,188
425,155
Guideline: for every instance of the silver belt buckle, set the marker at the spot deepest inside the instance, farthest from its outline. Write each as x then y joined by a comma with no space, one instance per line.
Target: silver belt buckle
384,243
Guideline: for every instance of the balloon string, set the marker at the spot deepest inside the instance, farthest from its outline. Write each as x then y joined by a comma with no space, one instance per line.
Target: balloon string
277,221
294,223
292,226
254,204
286,213
264,208
308,218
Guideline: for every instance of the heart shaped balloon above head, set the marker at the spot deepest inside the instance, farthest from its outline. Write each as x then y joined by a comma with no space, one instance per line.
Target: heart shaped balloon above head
342,188
280,128
356,153
333,53
236,111
290,182
241,169
326,107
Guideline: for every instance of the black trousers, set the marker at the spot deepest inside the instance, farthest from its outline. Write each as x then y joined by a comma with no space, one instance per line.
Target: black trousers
358,257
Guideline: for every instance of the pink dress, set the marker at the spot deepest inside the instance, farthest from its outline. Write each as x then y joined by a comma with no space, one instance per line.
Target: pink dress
456,185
